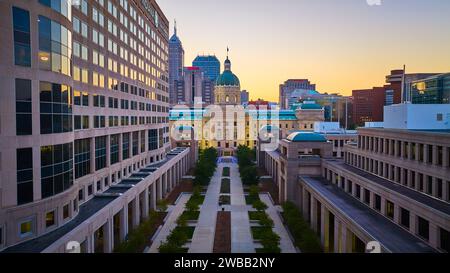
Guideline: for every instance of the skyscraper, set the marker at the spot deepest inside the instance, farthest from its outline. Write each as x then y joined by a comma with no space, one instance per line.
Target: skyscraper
290,86
176,64
209,64
79,120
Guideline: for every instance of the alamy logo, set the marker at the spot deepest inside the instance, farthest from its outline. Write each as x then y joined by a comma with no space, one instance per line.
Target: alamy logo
73,247
373,2
373,247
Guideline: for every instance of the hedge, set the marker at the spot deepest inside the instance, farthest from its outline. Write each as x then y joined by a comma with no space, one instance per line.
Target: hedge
304,237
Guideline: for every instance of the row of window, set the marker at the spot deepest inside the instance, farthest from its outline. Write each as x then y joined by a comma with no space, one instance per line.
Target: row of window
410,178
374,201
407,150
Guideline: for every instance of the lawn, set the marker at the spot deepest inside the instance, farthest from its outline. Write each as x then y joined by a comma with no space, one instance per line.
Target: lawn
224,200
260,232
225,186
190,215
226,171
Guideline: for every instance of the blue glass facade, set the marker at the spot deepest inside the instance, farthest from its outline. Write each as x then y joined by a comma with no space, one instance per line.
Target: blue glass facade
210,66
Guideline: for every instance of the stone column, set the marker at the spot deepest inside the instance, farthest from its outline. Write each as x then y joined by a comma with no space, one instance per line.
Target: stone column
153,195
123,223
305,203
324,237
435,155
145,203
434,188
159,189
425,153
433,236
445,185
108,236
136,212
445,154
337,235
314,214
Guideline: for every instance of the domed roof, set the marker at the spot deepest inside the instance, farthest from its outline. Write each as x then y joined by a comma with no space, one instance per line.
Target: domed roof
306,137
227,78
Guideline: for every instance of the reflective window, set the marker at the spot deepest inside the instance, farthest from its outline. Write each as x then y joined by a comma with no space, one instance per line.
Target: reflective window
135,143
152,139
82,157
24,176
55,46
114,146
56,169
61,6
100,153
125,146
22,47
56,108
23,107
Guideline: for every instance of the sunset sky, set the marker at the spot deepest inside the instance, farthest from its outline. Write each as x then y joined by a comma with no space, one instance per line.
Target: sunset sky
340,45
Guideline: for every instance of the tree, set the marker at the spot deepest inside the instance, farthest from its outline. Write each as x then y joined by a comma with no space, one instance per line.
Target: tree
259,205
162,205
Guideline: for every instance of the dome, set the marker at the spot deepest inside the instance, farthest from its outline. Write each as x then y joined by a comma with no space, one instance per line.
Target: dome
227,78
306,137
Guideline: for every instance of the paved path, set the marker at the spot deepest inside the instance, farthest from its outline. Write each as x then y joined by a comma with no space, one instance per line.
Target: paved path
241,237
203,239
286,244
171,223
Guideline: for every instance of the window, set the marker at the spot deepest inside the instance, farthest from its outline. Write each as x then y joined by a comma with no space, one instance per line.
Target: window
366,196
66,211
56,108
23,107
81,122
81,195
99,101
90,190
80,74
26,228
56,169
377,202
423,228
358,191
100,153
22,47
61,6
142,141
99,185
24,176
444,240
55,45
50,219
389,209
125,146
99,122
135,143
404,217
114,148
153,139
82,157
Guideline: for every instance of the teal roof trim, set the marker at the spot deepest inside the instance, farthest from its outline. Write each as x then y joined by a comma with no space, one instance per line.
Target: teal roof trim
306,137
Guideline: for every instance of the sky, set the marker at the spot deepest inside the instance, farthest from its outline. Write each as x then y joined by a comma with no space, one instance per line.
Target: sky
340,45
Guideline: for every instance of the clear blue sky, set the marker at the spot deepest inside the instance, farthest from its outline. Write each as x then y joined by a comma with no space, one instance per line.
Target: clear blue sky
338,44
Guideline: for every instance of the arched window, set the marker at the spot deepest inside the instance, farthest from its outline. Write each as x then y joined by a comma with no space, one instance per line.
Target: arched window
227,99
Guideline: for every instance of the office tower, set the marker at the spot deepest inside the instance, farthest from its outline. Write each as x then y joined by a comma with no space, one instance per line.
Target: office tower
193,85
84,144
176,64
209,64
244,97
431,90
289,86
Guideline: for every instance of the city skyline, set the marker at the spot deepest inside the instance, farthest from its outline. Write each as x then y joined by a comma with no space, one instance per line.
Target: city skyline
345,57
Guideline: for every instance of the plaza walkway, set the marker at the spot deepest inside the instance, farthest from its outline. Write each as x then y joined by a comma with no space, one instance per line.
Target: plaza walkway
203,239
241,237
173,213
286,244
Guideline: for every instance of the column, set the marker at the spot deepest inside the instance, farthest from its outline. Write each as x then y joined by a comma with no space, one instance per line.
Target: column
445,154
417,148
434,238
337,235
108,236
425,153
445,190
324,237
344,239
135,213
90,243
123,223
159,189
145,209
435,155
305,203
153,195
314,214
434,188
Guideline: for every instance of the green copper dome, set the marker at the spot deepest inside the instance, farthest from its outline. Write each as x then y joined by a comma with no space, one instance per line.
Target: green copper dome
227,78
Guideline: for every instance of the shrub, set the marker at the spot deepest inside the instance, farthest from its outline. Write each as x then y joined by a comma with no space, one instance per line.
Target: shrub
226,171
205,166
225,186
304,237
162,205
259,205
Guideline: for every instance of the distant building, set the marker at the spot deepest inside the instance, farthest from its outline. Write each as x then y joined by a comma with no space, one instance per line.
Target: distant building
368,103
193,84
209,64
176,64
431,90
289,86
244,97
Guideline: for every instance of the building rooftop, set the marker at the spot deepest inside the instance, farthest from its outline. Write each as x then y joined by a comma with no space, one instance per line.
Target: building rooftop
306,137
89,208
413,195
392,237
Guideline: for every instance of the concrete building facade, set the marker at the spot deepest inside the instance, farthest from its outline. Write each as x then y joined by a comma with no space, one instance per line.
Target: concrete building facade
84,138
